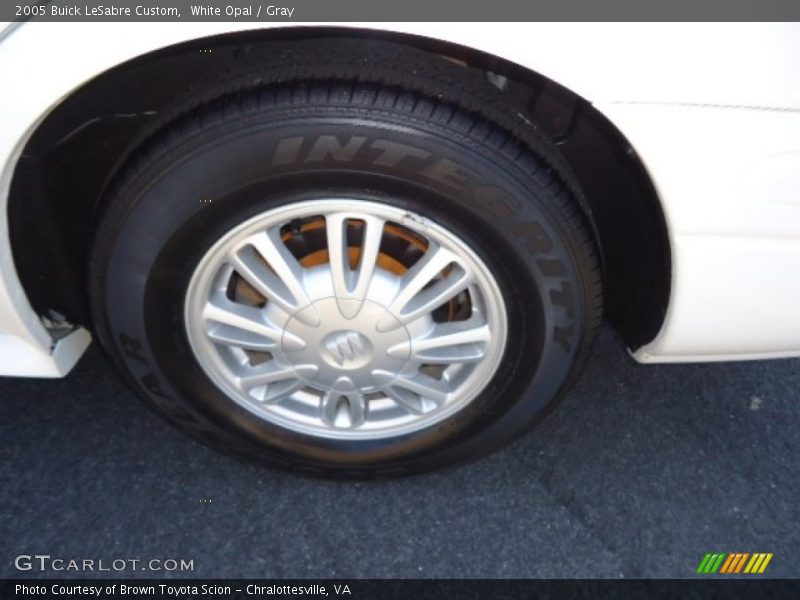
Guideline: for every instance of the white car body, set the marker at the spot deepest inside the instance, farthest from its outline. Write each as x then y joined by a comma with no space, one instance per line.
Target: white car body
713,111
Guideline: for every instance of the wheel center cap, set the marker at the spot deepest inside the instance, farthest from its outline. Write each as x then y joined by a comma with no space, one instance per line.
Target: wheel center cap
346,350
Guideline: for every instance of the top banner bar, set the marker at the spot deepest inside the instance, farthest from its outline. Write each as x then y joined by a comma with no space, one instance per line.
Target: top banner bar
337,11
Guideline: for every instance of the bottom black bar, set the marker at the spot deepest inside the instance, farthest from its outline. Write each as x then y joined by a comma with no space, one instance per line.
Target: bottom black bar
399,589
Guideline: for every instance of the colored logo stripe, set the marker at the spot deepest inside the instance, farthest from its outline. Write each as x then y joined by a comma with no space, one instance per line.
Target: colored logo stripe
734,563
758,563
710,563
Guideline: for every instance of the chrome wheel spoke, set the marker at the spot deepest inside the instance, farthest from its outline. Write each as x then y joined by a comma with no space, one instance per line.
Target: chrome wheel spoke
248,265
272,383
457,342
272,373
233,336
244,325
286,286
344,407
415,299
423,385
278,391
413,403
368,260
350,285
338,254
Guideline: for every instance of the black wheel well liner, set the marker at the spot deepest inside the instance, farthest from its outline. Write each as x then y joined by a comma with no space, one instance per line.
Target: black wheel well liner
73,153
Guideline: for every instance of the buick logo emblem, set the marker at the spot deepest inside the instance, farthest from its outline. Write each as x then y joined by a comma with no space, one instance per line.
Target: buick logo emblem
347,349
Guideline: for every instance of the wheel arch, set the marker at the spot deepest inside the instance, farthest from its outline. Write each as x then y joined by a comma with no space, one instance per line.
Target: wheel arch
75,150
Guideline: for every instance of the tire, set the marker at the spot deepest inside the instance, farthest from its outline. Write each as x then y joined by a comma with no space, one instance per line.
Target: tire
439,176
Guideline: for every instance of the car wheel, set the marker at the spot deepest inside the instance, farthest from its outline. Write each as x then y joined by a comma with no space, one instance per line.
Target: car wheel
344,278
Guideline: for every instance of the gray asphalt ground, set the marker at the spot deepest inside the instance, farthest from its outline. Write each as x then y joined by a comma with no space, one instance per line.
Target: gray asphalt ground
639,473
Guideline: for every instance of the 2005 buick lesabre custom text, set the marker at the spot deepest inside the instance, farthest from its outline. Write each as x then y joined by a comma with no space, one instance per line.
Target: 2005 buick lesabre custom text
101,10
370,252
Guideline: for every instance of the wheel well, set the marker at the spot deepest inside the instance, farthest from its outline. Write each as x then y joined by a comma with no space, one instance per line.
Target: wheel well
72,155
